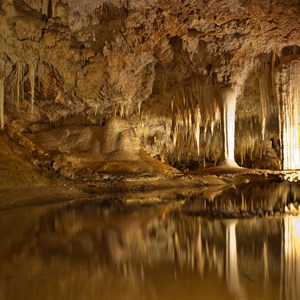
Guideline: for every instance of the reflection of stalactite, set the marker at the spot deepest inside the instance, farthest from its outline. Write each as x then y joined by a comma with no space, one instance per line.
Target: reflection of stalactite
199,252
266,264
291,263
137,246
232,273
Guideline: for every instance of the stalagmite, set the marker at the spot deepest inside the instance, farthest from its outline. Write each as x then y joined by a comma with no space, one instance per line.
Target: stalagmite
2,103
228,97
288,93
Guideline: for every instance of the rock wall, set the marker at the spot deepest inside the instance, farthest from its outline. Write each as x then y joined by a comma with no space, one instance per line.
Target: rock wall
159,64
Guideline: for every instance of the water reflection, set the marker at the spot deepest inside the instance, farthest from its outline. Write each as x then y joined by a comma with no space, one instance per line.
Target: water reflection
291,262
85,251
232,273
258,199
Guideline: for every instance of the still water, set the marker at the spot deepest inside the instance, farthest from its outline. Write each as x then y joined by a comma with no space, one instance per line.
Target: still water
152,246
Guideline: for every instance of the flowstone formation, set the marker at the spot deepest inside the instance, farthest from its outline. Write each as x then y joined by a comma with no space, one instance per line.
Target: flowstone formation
92,87
289,94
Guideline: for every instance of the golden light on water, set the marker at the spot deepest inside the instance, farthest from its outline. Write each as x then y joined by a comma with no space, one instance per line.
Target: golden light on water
232,273
151,253
291,263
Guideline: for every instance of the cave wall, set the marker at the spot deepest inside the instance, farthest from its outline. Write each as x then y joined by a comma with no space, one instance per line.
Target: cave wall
160,65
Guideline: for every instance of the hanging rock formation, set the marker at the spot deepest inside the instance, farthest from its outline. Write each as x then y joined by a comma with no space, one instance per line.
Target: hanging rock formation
288,78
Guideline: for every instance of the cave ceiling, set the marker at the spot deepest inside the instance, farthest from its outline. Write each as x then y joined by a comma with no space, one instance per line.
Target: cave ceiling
104,54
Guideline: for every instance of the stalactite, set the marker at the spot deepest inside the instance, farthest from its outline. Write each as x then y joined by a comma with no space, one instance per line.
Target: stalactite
264,85
288,91
139,108
121,110
265,74
19,89
197,106
12,89
2,102
32,75
50,9
19,76
197,129
22,81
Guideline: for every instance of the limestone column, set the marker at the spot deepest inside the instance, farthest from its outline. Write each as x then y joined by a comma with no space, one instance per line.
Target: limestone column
228,98
288,94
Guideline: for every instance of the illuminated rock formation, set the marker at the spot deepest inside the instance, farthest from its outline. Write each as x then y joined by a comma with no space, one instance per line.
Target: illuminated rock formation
228,122
162,66
289,96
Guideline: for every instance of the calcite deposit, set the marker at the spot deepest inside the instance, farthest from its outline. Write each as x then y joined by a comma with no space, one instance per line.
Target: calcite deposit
136,86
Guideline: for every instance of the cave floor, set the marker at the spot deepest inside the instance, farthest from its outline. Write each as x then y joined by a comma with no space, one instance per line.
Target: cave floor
206,183
23,184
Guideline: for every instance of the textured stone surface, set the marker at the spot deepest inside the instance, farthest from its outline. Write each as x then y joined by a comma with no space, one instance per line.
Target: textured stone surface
155,63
